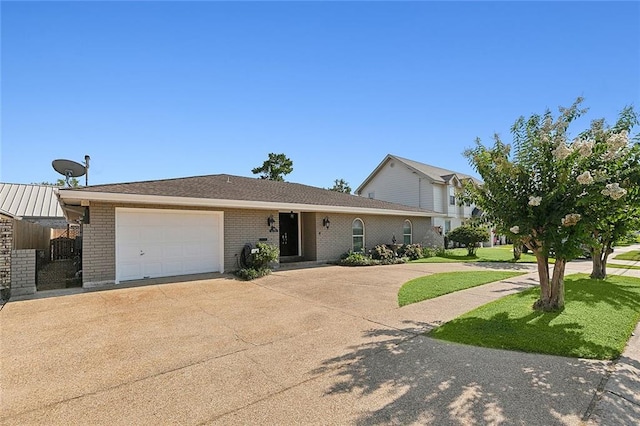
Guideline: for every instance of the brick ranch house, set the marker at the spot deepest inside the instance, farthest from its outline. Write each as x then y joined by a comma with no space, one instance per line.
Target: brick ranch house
200,224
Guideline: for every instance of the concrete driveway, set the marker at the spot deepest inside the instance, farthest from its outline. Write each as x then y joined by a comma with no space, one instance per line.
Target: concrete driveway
313,346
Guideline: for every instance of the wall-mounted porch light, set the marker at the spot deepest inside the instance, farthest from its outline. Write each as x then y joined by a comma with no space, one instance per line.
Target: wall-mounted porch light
270,222
326,222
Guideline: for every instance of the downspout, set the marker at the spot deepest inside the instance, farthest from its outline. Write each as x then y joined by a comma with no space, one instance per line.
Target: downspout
419,192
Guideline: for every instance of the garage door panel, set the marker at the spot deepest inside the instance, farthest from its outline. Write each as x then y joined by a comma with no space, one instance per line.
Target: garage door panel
150,234
192,266
128,221
173,242
198,249
173,268
129,251
170,249
175,234
152,269
191,234
131,271
156,219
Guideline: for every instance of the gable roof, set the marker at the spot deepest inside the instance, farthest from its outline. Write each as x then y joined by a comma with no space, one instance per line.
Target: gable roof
435,174
230,191
29,201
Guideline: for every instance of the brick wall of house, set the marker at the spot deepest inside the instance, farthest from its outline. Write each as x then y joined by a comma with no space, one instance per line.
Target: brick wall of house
23,272
6,241
247,227
333,242
99,241
99,245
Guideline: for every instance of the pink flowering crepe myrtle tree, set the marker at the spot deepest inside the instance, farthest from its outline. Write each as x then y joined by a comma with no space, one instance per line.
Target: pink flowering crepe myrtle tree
539,194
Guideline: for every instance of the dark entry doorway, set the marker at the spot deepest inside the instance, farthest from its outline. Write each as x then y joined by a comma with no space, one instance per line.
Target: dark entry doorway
288,234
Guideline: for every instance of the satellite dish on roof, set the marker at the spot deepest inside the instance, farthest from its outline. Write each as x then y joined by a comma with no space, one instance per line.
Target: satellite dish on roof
69,169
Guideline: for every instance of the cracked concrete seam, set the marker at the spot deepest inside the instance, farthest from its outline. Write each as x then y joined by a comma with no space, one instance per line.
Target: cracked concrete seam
127,383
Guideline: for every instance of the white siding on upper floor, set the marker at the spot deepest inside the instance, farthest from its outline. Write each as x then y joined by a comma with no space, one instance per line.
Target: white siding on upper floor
439,198
410,185
426,195
395,183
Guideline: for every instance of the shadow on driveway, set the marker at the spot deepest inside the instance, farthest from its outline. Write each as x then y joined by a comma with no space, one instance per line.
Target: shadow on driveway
424,380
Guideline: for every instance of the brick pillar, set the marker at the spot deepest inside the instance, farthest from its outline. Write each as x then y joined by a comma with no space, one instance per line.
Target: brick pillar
23,272
6,240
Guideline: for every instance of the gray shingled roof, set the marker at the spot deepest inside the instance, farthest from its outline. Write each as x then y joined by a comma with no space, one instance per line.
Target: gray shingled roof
29,201
437,174
228,187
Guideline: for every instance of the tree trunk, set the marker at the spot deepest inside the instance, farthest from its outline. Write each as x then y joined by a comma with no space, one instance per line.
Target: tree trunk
551,291
517,251
596,263
542,261
557,284
599,261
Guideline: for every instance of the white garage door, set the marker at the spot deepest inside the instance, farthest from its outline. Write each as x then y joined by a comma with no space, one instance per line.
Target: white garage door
161,243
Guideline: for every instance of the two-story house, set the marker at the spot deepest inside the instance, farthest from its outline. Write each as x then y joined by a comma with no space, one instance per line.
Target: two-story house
403,181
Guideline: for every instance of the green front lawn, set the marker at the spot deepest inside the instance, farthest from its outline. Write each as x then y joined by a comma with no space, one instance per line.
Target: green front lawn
630,255
483,254
615,265
597,321
435,285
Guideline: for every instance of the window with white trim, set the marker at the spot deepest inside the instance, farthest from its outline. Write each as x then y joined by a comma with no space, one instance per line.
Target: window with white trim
407,232
357,234
452,196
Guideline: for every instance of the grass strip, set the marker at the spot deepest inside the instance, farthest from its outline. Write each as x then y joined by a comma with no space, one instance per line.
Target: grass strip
483,254
597,321
630,255
615,265
435,285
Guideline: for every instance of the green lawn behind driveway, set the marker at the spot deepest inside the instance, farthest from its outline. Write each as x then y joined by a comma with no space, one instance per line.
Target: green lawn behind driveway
483,254
615,265
630,255
435,285
597,321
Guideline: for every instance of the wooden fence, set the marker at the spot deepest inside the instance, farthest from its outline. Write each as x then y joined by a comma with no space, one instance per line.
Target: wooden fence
28,235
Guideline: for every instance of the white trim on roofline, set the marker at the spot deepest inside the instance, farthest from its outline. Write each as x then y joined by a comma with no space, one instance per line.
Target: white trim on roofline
69,197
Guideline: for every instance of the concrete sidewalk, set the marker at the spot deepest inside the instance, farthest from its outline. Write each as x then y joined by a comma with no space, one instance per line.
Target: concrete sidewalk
617,399
316,346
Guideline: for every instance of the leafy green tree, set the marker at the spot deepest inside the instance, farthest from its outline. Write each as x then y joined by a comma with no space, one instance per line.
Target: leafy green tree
611,206
340,185
538,194
274,168
74,183
468,236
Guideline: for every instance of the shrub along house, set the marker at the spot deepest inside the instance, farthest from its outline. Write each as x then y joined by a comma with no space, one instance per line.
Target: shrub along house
200,224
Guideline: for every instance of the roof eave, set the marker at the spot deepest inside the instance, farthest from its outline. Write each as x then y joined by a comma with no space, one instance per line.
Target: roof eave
372,174
422,174
71,198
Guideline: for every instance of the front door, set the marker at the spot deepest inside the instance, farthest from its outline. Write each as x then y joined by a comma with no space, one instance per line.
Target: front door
288,234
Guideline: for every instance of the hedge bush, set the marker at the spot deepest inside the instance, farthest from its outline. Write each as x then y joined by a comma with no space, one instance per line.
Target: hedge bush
260,262
356,259
412,251
382,252
468,236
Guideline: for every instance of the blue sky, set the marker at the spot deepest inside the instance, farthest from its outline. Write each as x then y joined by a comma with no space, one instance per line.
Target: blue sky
155,90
